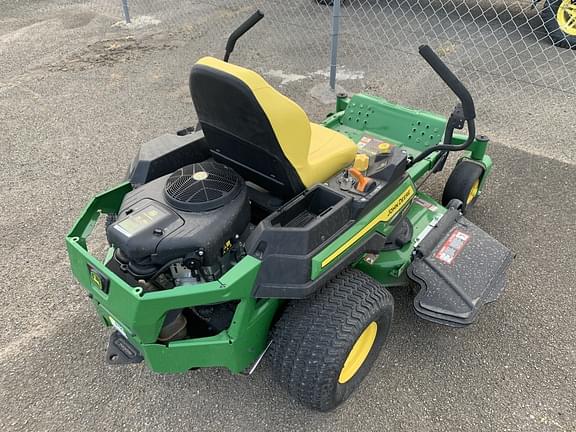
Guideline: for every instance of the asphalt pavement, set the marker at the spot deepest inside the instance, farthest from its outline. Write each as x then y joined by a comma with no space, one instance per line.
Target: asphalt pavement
78,96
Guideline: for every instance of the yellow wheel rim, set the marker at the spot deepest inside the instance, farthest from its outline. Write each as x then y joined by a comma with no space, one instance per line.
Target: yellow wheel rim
566,17
473,192
359,352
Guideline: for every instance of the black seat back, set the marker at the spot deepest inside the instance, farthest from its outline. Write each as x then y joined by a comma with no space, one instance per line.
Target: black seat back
238,131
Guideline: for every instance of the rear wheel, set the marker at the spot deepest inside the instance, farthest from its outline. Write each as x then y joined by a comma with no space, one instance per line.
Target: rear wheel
326,344
559,17
463,184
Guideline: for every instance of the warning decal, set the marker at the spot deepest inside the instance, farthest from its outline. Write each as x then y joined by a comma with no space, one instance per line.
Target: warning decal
452,247
369,144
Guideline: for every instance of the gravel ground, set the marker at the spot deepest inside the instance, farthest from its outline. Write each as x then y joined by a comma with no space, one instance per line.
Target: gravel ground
78,96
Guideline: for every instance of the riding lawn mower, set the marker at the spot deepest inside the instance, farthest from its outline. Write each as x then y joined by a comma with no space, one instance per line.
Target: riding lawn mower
258,231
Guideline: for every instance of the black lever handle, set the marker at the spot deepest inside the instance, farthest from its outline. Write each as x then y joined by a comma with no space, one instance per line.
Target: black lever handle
239,32
450,79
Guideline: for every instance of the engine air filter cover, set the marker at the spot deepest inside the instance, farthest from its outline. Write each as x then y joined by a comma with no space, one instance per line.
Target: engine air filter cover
202,186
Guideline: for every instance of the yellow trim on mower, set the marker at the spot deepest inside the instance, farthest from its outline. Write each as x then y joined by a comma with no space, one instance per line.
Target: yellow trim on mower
387,215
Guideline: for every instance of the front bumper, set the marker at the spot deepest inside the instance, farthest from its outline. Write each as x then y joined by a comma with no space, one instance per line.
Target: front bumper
140,316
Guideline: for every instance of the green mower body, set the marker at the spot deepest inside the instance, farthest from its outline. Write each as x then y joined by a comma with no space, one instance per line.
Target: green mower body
264,230
140,316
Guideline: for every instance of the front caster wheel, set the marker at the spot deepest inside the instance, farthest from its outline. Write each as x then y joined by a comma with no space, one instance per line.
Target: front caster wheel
325,345
463,185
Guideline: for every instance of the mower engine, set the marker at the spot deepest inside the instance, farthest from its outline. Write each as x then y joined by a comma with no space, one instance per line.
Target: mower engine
183,228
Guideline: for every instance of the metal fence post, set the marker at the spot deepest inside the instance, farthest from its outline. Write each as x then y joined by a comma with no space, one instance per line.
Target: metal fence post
334,49
126,11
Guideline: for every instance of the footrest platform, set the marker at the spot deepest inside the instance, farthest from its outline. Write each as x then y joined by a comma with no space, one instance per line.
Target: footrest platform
459,268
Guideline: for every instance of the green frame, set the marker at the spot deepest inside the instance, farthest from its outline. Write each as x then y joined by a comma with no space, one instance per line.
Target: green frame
140,316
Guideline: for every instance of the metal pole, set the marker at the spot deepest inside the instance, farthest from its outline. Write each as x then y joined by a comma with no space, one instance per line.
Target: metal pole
126,11
334,49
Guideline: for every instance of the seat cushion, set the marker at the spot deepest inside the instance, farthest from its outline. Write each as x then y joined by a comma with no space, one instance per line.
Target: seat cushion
330,151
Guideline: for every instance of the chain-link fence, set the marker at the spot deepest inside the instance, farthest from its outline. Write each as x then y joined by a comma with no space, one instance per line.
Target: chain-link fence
514,55
491,43
520,44
523,43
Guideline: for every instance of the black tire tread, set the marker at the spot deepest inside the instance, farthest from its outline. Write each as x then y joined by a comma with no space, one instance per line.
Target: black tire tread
460,182
314,336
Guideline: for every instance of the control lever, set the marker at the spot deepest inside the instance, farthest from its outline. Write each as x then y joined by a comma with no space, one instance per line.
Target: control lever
363,184
239,32
465,112
468,110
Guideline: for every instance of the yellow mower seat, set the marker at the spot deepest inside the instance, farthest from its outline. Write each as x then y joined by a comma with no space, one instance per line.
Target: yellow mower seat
261,133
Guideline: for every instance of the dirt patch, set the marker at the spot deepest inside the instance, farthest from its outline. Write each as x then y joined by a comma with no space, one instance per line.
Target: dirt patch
109,52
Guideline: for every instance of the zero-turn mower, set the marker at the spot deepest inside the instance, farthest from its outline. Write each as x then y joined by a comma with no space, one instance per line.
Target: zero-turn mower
259,229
